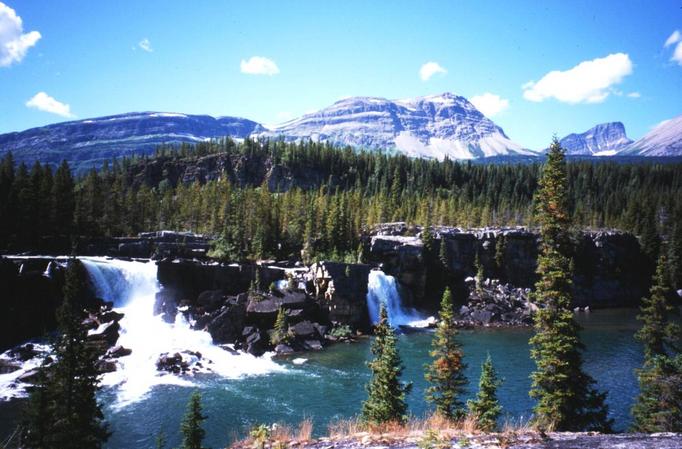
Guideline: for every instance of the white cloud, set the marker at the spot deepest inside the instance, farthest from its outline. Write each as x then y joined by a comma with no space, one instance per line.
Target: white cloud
677,54
588,82
673,39
44,102
259,65
429,69
634,95
489,104
145,45
14,43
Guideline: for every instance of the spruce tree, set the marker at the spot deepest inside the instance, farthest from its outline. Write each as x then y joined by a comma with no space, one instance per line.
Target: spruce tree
659,334
486,408
64,411
649,237
658,407
565,394
386,393
675,257
480,273
446,373
192,432
280,333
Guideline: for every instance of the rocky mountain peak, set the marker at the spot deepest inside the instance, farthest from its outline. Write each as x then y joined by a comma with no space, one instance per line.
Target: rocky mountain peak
605,139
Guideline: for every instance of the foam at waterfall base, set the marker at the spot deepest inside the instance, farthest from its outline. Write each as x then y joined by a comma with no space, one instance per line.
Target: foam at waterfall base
132,286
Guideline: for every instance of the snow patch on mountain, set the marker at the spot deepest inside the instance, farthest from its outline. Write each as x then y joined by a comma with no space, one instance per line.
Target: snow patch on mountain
664,140
435,126
605,139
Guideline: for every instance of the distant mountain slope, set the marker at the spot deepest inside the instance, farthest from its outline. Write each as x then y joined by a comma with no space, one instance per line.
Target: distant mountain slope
664,140
433,127
605,139
87,143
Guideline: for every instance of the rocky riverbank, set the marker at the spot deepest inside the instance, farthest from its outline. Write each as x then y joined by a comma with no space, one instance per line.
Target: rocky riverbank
238,303
508,440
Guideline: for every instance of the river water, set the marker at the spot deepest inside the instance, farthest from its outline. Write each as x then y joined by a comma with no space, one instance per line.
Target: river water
330,384
242,391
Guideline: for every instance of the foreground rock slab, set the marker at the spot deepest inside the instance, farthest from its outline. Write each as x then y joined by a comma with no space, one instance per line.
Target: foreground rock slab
509,440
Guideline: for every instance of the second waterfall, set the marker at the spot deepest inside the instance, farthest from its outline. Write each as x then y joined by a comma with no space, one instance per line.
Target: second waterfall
382,288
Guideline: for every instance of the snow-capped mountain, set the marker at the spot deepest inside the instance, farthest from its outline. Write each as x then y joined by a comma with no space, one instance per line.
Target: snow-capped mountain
88,143
434,127
605,139
664,140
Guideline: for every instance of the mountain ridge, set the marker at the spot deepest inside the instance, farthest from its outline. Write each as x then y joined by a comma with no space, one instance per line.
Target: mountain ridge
432,126
604,139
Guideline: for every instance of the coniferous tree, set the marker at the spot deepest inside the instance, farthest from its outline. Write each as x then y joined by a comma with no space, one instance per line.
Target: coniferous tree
675,257
63,202
658,407
659,333
446,373
565,394
649,237
192,432
280,333
65,413
480,274
486,408
386,393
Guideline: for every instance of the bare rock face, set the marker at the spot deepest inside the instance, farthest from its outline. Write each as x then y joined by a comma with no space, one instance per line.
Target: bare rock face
608,271
605,139
341,290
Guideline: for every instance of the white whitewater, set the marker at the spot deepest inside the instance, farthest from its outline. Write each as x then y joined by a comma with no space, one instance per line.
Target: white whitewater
382,288
132,287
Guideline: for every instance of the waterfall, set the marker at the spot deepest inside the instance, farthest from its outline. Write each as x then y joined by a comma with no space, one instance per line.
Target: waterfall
132,287
382,288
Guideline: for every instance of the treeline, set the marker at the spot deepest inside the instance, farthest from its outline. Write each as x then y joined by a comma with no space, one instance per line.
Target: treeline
336,193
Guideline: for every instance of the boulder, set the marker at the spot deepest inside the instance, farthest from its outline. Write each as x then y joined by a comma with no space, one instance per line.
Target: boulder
7,366
106,332
269,304
282,349
106,366
109,316
118,351
228,324
304,329
211,300
312,345
172,363
256,342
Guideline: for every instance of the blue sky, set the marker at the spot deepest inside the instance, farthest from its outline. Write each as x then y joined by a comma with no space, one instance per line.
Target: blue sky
89,55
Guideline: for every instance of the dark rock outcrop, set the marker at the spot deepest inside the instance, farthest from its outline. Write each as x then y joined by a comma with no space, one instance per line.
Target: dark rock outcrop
608,265
29,299
341,290
491,303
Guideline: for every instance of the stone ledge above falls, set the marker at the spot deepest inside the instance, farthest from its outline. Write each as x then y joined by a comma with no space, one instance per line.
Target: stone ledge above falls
610,268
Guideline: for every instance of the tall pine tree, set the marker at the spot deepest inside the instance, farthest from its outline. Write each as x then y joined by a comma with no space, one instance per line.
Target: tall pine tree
446,373
386,393
64,412
565,394
658,407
